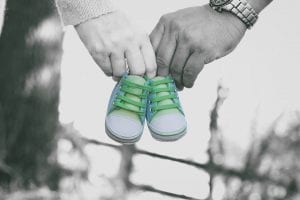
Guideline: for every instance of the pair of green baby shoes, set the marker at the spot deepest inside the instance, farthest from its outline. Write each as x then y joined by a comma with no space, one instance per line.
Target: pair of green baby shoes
136,99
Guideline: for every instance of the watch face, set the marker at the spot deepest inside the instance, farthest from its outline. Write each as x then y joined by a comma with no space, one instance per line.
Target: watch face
219,2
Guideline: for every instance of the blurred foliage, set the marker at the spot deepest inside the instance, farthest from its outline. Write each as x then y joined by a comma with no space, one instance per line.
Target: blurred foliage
273,162
30,53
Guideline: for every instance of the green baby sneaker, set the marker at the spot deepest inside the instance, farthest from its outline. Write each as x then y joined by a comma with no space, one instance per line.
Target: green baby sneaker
165,117
126,111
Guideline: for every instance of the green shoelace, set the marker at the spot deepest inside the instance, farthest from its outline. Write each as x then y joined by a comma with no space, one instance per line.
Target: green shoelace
129,87
169,88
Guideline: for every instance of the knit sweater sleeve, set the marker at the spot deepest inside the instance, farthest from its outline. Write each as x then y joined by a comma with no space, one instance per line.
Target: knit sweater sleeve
73,12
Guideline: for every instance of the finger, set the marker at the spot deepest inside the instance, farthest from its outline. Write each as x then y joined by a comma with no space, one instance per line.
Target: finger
135,61
165,53
118,64
149,59
116,78
103,61
180,57
156,35
193,67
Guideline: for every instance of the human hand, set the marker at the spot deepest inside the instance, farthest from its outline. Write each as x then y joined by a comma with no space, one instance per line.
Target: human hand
187,39
111,38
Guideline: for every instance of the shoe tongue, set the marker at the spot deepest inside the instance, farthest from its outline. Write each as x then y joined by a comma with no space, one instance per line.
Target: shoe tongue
163,102
139,81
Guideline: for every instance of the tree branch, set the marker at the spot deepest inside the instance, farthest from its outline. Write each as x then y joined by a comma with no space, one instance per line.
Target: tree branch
209,167
149,188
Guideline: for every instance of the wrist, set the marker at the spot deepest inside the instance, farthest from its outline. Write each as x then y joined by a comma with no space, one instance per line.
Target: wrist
230,18
240,8
259,5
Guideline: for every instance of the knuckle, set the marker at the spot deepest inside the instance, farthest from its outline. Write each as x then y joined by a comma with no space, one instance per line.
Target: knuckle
138,71
210,57
187,36
190,72
151,68
143,40
102,60
145,37
165,19
102,57
199,46
175,71
129,36
114,40
175,25
196,48
121,39
96,50
152,71
161,62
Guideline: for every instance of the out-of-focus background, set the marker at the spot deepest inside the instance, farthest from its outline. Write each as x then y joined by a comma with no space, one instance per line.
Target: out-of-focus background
243,115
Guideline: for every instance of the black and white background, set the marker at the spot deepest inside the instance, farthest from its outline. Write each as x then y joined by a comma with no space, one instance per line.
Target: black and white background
243,114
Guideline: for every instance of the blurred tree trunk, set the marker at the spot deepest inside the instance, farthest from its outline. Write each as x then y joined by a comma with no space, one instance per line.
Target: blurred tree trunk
30,53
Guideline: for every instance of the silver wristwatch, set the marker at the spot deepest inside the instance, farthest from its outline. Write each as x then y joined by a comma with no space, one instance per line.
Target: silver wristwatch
241,8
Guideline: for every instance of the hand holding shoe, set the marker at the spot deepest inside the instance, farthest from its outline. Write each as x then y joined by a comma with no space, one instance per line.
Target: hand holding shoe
111,38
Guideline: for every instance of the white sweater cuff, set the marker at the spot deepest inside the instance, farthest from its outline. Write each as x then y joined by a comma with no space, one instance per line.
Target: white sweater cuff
73,12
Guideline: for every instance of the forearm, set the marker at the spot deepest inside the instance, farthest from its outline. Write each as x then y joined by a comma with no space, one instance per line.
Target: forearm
259,5
74,12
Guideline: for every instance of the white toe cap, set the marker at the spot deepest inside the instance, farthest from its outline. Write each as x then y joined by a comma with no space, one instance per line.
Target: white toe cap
123,127
171,123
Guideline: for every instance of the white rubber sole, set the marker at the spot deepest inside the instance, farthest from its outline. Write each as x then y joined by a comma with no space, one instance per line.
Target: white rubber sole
167,138
126,141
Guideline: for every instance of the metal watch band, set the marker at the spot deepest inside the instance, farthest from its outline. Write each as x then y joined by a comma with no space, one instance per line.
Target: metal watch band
243,10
